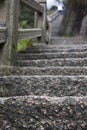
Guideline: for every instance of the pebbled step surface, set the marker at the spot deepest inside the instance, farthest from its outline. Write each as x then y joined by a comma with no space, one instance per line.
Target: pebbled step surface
54,50
52,55
67,40
43,71
43,113
58,47
50,71
43,85
73,62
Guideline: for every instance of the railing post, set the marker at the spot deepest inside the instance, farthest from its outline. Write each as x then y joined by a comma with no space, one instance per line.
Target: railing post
41,20
3,12
8,50
43,3
37,24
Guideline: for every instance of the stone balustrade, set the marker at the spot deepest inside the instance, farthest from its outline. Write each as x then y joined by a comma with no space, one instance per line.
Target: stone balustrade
10,34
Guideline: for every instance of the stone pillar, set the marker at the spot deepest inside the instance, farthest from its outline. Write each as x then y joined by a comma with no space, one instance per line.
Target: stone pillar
3,10
38,24
44,20
8,50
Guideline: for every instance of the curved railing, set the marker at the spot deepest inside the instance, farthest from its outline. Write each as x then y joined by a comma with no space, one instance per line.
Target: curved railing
53,16
54,20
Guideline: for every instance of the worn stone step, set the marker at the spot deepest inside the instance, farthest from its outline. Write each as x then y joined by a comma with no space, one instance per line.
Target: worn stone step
59,46
53,62
54,50
43,113
67,40
35,56
43,71
47,85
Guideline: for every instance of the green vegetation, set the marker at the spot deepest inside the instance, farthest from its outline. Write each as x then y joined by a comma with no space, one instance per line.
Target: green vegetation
69,35
23,45
26,20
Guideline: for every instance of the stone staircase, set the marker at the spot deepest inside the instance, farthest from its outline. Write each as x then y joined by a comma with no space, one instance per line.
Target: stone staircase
47,90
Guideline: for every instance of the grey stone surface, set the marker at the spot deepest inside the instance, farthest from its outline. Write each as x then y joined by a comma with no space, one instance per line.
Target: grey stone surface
54,50
43,113
63,45
26,71
43,85
54,25
33,5
8,50
35,56
68,40
2,34
73,62
28,34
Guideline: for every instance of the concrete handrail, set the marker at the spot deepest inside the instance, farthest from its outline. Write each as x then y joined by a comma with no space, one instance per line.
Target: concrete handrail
28,33
10,33
52,16
33,5
3,34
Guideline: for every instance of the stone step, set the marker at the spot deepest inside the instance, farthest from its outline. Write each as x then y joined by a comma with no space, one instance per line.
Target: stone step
53,62
54,50
59,46
67,40
35,56
26,71
43,85
43,113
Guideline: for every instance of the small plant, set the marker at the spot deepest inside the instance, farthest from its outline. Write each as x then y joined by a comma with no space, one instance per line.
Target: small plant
23,24
23,45
69,35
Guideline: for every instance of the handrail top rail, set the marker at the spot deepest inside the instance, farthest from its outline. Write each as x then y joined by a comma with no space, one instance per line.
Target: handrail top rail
3,29
41,1
33,4
26,30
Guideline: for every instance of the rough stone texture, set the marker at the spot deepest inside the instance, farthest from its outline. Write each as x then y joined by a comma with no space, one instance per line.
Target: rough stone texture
43,71
43,113
68,40
43,85
54,50
57,87
73,62
64,45
52,55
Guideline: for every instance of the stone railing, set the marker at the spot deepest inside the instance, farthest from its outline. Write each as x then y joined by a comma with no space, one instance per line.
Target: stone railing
10,34
52,16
